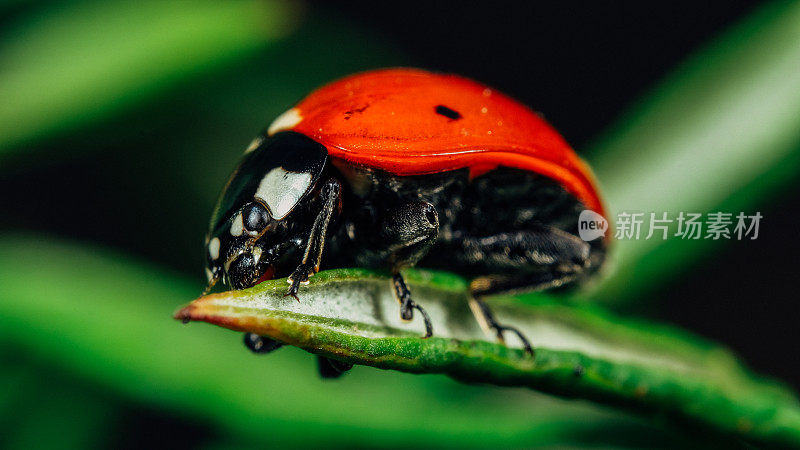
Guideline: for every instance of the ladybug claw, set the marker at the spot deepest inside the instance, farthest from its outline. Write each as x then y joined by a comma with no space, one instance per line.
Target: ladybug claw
290,294
426,319
297,278
526,345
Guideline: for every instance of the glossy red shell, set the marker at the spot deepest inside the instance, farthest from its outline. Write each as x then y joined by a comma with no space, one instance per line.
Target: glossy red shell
387,119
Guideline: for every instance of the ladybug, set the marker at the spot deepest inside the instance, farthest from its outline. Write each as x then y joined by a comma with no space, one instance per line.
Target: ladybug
397,168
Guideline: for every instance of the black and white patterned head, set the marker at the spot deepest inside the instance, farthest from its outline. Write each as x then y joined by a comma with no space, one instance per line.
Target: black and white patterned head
251,224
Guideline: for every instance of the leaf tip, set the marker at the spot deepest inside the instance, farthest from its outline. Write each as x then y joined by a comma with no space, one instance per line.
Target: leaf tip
184,314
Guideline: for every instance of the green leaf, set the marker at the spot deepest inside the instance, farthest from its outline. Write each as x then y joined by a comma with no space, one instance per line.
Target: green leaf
351,315
105,318
720,134
77,63
43,408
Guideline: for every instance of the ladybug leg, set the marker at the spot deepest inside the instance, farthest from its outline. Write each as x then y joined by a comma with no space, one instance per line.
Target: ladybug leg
526,282
331,368
532,260
260,344
406,233
407,305
331,193
536,248
486,319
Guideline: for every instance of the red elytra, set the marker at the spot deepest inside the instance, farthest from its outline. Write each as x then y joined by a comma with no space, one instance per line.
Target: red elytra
387,119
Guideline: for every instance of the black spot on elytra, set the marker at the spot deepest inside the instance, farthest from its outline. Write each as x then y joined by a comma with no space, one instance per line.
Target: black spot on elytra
349,114
447,112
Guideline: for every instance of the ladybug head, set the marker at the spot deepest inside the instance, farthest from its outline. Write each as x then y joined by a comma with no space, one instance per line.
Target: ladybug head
236,254
265,210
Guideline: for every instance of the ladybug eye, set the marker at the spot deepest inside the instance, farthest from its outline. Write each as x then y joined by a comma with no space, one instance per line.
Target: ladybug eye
255,217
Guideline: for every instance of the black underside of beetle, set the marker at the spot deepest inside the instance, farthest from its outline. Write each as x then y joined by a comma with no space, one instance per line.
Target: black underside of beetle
487,227
492,226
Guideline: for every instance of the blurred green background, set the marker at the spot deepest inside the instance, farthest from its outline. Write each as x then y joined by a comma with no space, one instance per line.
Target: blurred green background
120,121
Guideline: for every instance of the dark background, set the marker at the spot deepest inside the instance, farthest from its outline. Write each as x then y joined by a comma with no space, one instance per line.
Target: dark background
581,65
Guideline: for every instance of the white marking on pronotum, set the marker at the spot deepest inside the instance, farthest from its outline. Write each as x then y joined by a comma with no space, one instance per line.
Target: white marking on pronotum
209,274
237,227
285,121
254,144
213,249
281,190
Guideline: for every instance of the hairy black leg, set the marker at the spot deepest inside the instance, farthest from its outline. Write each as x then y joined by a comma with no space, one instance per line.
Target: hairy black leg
330,192
486,319
407,305
261,344
520,251
331,368
535,259
406,234
521,283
